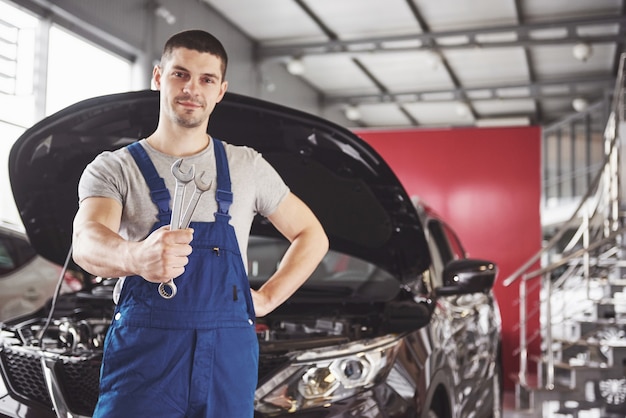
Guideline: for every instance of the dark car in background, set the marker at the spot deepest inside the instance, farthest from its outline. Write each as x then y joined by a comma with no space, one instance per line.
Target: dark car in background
395,322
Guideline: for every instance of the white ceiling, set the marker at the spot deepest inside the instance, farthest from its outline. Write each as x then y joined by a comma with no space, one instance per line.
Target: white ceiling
442,62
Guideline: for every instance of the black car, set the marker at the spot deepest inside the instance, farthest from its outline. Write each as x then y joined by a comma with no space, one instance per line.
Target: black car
395,322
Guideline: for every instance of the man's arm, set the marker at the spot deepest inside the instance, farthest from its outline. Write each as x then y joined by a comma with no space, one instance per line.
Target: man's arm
309,244
100,250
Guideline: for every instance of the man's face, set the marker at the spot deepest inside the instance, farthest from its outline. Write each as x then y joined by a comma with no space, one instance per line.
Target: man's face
191,85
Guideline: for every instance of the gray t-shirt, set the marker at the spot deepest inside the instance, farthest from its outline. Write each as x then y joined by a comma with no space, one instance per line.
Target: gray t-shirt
256,187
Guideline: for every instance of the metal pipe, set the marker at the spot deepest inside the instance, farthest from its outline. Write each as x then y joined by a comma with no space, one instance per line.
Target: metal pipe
549,348
523,356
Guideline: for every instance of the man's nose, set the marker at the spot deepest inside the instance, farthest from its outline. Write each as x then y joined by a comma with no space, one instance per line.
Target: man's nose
189,86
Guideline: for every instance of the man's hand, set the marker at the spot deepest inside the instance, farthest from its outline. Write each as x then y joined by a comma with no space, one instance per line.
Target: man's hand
261,304
163,255
100,250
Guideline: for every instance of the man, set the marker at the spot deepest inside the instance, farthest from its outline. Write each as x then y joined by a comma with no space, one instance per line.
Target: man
195,354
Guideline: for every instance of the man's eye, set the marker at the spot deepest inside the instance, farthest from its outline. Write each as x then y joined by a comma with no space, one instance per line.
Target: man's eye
208,80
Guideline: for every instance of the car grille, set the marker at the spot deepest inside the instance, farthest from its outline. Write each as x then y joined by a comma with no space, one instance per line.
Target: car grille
80,382
24,375
78,379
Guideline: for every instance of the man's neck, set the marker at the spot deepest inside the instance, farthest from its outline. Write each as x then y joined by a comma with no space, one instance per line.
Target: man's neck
179,142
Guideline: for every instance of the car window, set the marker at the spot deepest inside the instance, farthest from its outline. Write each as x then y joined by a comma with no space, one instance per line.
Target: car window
437,264
440,243
14,253
338,275
446,241
456,248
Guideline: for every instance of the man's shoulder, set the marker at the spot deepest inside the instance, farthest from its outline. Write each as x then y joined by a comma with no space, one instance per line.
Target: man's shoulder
111,161
240,151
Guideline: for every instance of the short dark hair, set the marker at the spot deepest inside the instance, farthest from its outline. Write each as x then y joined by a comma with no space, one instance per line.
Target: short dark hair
197,40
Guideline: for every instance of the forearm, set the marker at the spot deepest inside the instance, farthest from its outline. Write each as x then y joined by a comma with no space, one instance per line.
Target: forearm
102,252
303,256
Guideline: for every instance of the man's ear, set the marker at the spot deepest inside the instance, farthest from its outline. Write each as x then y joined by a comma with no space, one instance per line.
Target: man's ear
223,89
156,77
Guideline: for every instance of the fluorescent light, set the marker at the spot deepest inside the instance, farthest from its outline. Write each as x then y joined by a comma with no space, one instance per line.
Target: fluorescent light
295,66
579,104
352,113
494,122
582,51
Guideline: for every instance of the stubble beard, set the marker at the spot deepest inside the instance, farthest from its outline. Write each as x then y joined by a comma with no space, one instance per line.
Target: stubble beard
186,119
188,122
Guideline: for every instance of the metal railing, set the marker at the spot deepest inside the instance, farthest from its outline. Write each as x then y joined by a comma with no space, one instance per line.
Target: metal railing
596,232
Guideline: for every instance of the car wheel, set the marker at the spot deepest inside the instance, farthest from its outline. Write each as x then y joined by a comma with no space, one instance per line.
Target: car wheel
440,405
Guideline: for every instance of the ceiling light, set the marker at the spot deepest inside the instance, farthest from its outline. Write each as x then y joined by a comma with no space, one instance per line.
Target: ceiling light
580,104
295,66
268,84
270,87
433,59
165,14
582,51
461,109
352,113
503,121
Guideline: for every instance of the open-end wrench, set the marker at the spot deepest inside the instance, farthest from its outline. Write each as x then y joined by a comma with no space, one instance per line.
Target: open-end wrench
179,193
201,187
168,289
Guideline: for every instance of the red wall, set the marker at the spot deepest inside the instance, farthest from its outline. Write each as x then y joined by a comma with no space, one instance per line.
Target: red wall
486,183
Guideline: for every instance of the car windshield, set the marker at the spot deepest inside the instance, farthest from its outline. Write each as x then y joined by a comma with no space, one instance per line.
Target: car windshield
339,276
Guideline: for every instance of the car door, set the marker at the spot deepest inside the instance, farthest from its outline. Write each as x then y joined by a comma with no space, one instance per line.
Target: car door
469,322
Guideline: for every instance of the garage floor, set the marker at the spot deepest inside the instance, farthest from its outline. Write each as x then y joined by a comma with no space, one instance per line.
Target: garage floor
509,407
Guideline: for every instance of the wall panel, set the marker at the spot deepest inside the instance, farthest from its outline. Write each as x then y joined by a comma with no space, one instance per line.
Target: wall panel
486,183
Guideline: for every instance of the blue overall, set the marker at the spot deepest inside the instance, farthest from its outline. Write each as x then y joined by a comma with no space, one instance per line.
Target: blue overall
195,355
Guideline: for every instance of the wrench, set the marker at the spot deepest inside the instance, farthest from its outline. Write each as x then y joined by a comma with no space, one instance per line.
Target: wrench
168,289
179,193
201,187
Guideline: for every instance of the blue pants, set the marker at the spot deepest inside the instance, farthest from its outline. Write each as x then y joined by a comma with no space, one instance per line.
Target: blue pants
178,374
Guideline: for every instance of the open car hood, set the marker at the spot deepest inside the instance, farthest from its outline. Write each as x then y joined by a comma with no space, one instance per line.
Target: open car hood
359,200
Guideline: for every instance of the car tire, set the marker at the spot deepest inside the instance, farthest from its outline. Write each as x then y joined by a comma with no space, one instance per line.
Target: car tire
439,406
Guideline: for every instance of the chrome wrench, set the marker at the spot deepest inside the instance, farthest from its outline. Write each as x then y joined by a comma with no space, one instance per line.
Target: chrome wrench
168,289
179,193
201,187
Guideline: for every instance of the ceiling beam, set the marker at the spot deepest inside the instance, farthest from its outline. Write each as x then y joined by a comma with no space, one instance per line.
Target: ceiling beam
519,12
558,88
318,21
526,34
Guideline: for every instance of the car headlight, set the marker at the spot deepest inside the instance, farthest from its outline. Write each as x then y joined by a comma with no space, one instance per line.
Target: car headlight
324,376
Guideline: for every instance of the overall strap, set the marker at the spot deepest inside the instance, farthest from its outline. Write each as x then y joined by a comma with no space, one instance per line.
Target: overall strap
158,192
223,194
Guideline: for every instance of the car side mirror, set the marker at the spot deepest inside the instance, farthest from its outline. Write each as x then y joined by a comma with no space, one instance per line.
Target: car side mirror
467,276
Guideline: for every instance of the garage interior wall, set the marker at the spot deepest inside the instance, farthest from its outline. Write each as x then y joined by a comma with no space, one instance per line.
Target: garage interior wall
486,183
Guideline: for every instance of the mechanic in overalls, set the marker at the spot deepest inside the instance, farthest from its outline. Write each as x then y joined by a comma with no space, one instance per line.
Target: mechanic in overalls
193,354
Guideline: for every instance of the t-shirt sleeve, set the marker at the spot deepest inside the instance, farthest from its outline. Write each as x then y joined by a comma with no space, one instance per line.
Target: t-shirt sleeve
271,189
101,178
